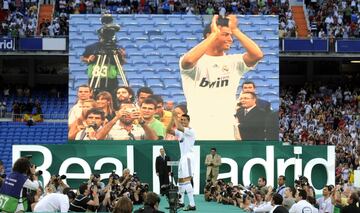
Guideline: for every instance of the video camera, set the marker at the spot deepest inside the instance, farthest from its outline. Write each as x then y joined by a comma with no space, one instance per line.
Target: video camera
171,192
108,30
301,182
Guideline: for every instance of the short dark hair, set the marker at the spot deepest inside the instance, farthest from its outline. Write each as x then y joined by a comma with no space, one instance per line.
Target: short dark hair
129,90
263,179
283,177
311,200
125,102
151,199
277,199
355,197
146,90
96,111
85,85
157,98
22,165
248,82
186,116
123,205
293,190
82,188
302,194
213,148
182,107
207,28
149,101
253,95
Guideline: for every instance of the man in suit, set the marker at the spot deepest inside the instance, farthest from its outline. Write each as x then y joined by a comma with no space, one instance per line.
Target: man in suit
249,86
212,162
162,170
251,118
276,201
352,208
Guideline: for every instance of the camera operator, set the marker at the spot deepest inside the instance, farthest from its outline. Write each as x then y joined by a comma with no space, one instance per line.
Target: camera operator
58,183
94,120
83,201
106,46
14,188
95,180
151,204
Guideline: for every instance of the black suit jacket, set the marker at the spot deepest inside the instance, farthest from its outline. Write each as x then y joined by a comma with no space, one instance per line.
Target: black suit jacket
350,209
160,165
252,126
263,104
280,209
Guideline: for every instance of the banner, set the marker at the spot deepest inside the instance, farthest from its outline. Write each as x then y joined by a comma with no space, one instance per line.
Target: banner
242,163
7,44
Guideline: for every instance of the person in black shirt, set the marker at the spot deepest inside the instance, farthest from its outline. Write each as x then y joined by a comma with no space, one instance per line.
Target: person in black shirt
83,200
151,204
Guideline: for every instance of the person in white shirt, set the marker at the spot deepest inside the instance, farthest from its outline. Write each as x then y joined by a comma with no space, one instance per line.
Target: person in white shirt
208,73
186,137
84,93
54,202
302,206
325,205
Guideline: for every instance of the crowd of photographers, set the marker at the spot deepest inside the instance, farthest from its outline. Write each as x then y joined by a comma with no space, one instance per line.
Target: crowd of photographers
299,198
21,190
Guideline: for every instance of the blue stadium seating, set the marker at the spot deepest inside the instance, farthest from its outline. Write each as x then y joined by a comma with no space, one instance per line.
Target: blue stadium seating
154,43
19,133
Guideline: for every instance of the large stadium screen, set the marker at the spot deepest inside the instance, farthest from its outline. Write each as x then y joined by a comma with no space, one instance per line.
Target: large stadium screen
221,71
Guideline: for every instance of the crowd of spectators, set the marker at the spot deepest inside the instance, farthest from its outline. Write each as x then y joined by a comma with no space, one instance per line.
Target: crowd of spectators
334,18
287,25
20,19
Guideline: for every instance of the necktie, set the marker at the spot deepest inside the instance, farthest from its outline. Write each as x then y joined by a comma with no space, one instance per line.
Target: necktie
245,112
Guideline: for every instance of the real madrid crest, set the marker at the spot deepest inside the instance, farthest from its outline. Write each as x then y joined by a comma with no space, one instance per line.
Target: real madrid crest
225,69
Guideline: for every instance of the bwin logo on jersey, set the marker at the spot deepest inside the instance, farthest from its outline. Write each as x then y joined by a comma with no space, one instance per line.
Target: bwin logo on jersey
213,84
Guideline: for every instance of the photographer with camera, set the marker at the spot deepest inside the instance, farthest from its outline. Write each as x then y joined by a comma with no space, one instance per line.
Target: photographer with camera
83,200
151,204
94,180
94,119
57,182
105,58
127,125
13,193
79,123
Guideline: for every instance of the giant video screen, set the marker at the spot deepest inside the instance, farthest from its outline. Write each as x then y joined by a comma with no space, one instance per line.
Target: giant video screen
132,76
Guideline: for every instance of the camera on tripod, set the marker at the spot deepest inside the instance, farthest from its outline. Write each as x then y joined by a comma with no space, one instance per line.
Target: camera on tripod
107,31
172,195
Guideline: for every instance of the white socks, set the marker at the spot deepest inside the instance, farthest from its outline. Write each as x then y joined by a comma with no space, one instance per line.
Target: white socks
189,190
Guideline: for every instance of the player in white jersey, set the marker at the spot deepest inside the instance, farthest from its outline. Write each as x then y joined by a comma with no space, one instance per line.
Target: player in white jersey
186,137
210,78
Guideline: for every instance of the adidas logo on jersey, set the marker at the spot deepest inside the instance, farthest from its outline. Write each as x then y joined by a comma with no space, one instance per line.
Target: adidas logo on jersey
213,84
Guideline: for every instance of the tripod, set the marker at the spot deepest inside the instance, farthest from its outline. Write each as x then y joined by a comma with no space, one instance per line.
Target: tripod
100,70
173,195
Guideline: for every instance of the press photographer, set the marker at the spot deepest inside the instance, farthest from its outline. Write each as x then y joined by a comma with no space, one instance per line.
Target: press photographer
84,201
58,183
14,189
105,58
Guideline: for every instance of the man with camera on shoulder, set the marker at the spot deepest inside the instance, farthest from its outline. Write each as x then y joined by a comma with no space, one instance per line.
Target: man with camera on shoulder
83,201
127,125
